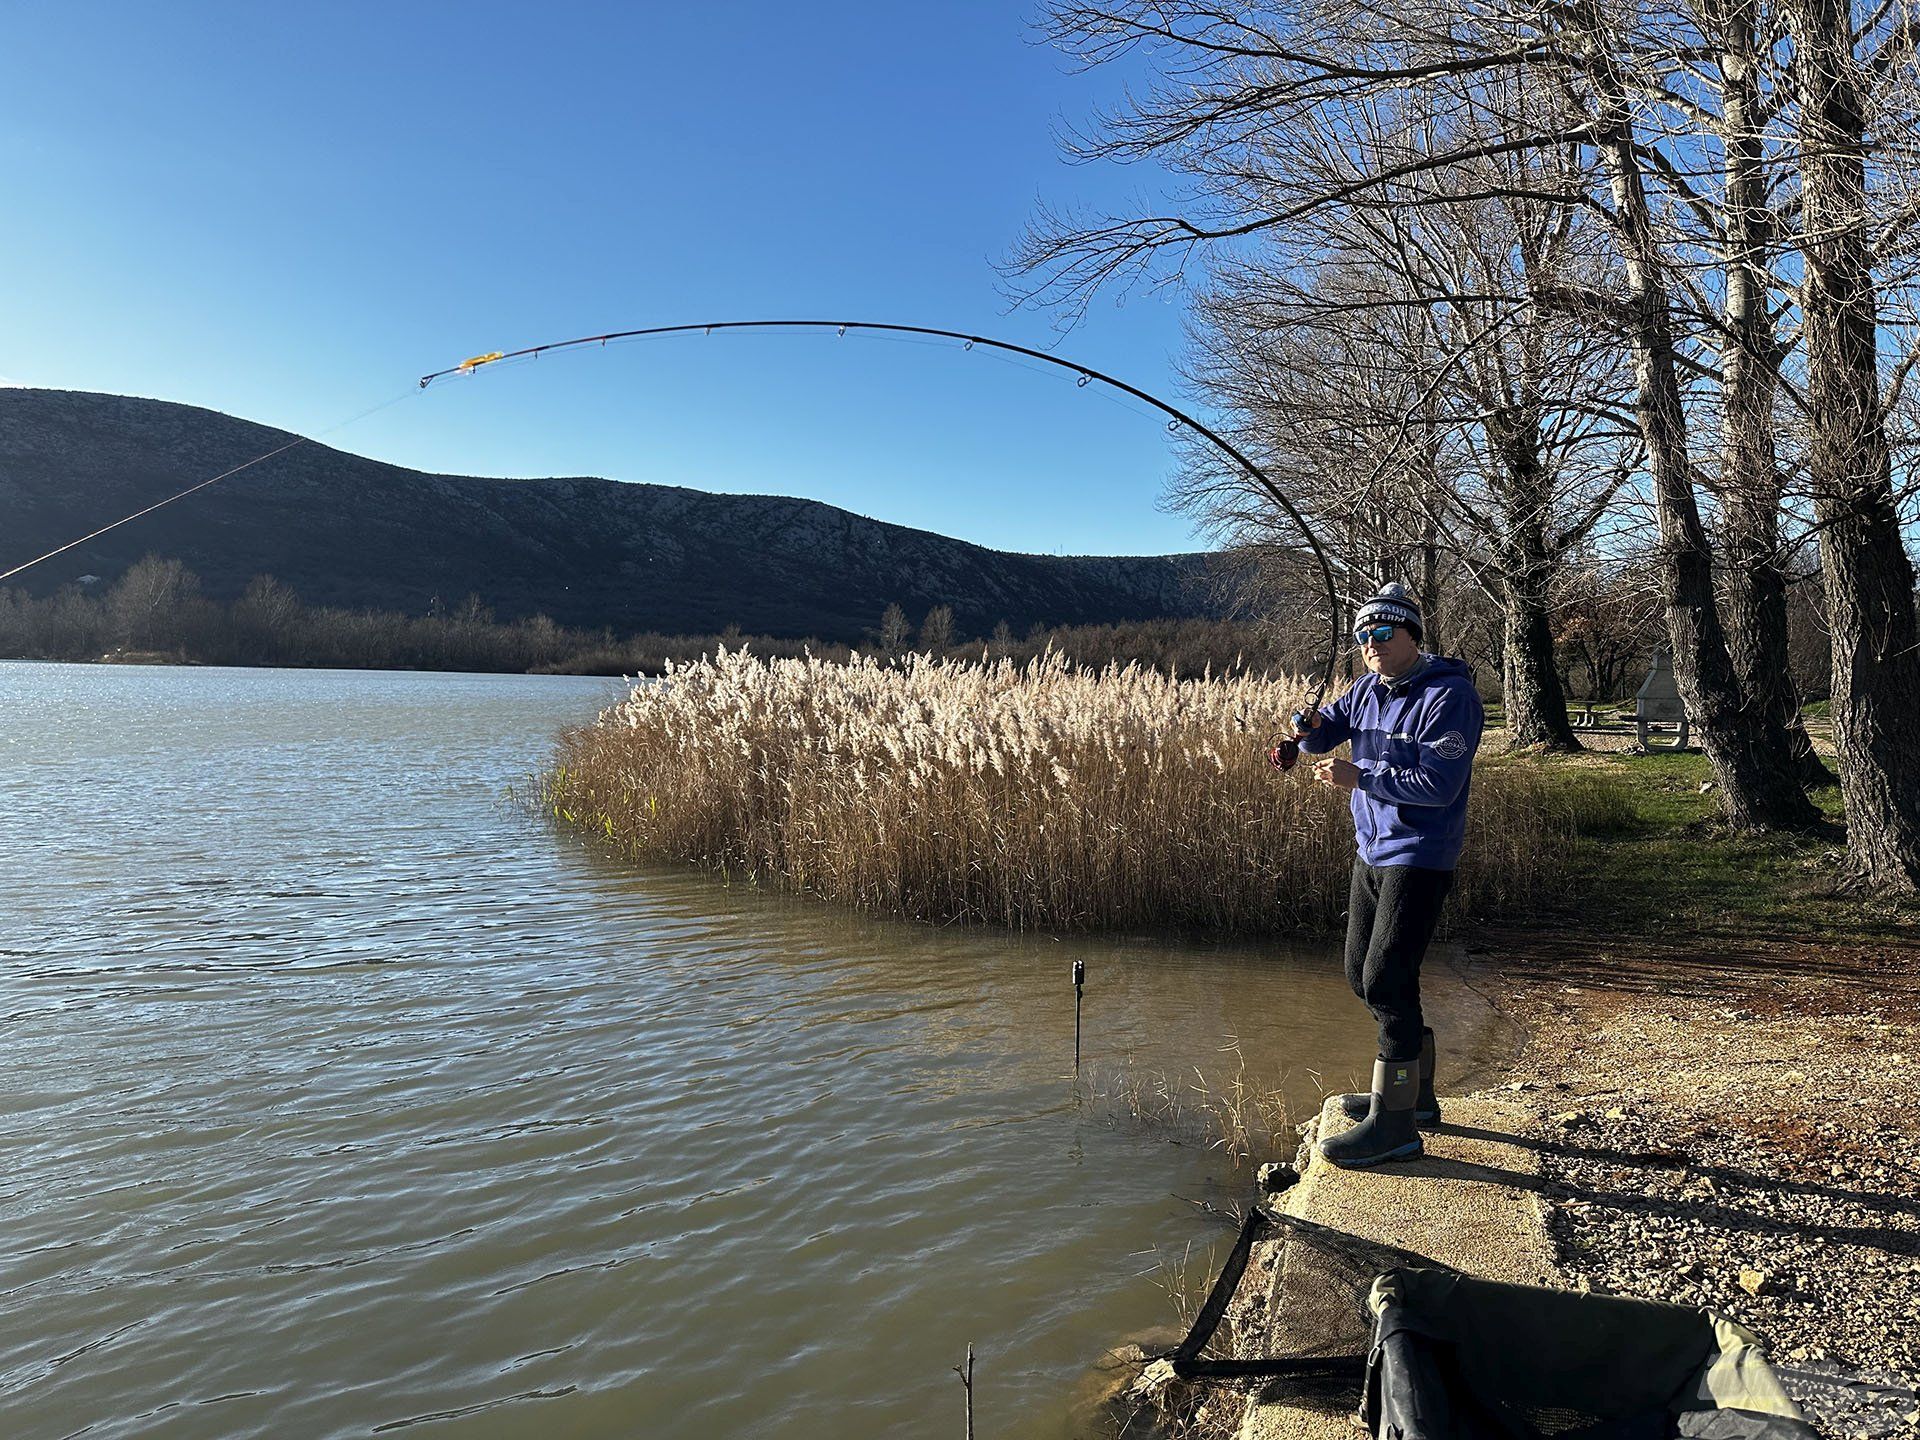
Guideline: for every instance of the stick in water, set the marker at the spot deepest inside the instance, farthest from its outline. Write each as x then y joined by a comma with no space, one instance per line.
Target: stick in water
1079,979
966,1382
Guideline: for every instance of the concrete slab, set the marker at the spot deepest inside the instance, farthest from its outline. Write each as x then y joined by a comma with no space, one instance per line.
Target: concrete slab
1471,1202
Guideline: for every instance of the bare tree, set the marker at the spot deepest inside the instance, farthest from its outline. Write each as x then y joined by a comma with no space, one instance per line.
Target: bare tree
1606,620
1331,407
936,630
1845,113
1461,420
1247,94
1529,398
265,620
149,603
1741,98
893,631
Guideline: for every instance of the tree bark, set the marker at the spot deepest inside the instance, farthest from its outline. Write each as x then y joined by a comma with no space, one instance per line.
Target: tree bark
1757,602
1869,580
1757,783
1430,584
1749,482
1536,702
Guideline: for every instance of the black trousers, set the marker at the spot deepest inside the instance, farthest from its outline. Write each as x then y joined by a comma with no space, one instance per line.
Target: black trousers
1392,911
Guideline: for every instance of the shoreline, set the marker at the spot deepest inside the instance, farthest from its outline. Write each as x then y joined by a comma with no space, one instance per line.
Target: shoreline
1745,1140
1737,1134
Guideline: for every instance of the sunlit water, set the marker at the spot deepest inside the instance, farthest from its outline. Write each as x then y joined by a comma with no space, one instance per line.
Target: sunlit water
344,1095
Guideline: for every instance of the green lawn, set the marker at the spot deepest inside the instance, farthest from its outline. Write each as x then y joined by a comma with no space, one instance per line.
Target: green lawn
1661,863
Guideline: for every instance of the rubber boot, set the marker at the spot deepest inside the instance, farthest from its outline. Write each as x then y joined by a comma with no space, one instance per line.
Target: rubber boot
1388,1132
1426,1106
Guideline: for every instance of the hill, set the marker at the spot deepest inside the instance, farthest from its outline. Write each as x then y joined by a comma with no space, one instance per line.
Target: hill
343,530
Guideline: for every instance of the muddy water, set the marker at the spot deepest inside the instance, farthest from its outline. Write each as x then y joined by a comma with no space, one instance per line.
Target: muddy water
341,1096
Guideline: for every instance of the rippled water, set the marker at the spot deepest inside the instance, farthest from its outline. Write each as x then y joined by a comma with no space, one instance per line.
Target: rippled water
344,1096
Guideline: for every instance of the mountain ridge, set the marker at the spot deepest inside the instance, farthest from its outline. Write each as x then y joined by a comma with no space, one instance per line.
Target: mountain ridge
342,529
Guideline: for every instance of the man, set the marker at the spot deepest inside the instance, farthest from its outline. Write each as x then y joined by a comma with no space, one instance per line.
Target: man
1414,723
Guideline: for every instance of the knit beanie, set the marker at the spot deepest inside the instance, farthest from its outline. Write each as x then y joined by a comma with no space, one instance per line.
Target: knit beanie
1393,605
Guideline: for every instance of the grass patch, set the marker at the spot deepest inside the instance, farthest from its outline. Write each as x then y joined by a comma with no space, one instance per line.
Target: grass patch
1663,864
1224,1110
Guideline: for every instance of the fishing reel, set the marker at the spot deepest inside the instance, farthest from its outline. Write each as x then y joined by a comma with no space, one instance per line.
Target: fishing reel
1285,754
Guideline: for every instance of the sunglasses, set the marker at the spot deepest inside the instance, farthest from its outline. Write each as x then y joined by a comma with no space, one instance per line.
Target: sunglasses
1378,634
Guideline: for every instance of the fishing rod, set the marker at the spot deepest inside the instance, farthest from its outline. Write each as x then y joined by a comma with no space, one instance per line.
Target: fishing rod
1286,752
1283,754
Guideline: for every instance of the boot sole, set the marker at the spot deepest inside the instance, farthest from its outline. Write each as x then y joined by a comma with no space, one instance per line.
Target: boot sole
1412,1151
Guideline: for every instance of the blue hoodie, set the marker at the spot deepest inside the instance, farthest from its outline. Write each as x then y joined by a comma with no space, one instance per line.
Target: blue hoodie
1414,740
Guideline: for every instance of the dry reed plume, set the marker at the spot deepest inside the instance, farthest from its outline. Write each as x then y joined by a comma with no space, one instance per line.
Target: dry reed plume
1034,796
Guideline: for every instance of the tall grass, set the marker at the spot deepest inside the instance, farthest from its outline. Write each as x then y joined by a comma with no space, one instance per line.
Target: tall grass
1230,1111
1033,796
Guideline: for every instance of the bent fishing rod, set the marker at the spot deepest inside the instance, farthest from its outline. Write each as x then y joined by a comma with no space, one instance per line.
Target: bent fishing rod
1284,754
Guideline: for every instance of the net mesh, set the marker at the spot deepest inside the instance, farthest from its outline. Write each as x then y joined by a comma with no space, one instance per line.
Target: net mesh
1318,1280
1289,1312
1299,1327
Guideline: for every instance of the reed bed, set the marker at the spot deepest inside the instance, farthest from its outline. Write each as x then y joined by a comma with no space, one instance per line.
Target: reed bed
1040,795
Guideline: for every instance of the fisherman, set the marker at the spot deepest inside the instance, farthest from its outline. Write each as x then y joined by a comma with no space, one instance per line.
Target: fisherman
1414,723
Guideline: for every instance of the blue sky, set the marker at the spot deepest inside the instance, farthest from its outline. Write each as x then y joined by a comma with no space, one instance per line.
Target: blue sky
290,213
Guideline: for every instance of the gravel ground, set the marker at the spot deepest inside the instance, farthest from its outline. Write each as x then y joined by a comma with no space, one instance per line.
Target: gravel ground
1749,1144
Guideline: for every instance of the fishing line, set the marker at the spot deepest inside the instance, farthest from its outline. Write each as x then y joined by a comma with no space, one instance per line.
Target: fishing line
1104,394
293,444
1119,402
1084,375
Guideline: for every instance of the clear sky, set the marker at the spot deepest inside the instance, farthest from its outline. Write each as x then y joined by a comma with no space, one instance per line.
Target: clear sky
289,213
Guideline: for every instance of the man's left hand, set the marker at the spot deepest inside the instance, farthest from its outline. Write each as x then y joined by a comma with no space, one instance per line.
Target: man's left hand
1340,774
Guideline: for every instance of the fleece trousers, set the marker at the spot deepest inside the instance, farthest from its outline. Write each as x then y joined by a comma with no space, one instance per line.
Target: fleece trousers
1392,911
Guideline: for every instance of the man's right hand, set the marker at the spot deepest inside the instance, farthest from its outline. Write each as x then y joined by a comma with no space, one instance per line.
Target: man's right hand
1305,722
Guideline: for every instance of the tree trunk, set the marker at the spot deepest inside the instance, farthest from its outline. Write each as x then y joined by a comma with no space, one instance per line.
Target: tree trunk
1536,702
1430,585
1757,783
1757,600
1869,580
1749,482
1427,477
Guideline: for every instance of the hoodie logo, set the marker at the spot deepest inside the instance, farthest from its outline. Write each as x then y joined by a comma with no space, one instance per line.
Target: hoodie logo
1450,746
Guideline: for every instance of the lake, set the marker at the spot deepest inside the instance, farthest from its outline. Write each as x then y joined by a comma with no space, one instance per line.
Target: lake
345,1095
